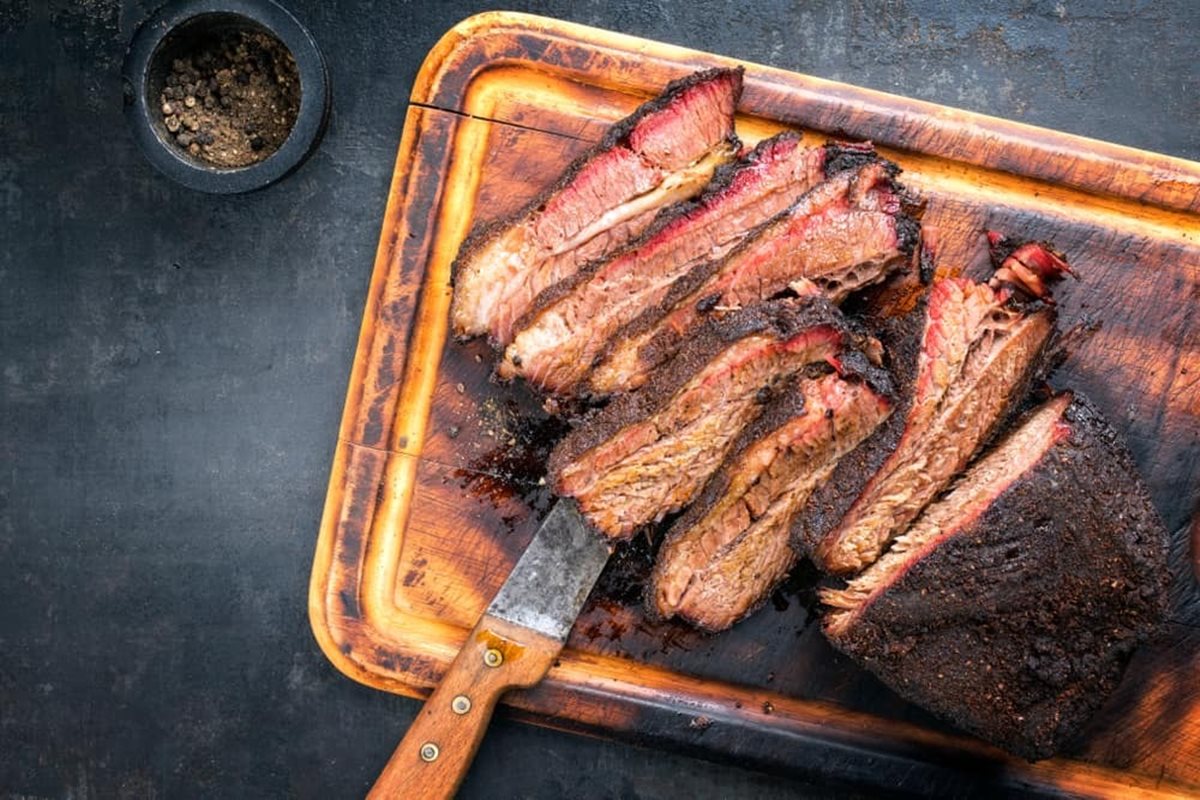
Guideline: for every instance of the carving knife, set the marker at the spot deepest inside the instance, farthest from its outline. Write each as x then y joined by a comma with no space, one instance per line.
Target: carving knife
512,646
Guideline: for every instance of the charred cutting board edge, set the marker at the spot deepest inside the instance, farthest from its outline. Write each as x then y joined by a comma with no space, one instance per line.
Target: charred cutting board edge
352,604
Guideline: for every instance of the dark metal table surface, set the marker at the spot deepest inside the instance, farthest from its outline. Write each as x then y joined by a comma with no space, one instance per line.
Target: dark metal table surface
174,366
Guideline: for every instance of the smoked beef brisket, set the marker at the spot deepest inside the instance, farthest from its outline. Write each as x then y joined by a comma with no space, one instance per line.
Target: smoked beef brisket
648,453
666,151
1013,604
571,322
846,233
962,359
726,553
1005,593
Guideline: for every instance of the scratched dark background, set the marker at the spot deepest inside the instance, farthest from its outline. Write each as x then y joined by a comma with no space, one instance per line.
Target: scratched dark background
174,366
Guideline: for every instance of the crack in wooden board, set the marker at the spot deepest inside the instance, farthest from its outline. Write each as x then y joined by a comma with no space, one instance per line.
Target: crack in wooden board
493,120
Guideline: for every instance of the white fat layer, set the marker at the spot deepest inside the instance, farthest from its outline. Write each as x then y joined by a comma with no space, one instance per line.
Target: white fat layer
677,186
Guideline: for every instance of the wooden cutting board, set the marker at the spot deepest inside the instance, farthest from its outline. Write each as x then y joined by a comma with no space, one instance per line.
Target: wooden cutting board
435,486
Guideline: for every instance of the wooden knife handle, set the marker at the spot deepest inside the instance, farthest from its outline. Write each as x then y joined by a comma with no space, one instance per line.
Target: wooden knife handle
434,755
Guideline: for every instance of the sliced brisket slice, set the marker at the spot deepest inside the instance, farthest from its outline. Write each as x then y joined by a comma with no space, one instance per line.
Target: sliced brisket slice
1026,267
571,322
727,552
846,233
666,151
648,454
976,357
1012,605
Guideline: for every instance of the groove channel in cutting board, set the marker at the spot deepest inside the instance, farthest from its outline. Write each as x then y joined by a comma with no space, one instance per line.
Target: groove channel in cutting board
419,532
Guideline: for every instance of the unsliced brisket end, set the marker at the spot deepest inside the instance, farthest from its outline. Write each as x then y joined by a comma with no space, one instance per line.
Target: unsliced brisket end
648,454
666,151
570,323
1013,604
725,554
845,233
976,359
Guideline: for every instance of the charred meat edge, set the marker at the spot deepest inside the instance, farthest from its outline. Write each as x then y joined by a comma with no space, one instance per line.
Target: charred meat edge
786,452
466,267
1013,605
649,340
762,330
555,354
948,418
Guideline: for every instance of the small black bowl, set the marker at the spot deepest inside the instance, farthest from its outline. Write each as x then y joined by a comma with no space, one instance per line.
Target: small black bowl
162,37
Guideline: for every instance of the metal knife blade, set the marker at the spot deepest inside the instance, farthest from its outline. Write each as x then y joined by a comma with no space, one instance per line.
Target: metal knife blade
550,583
